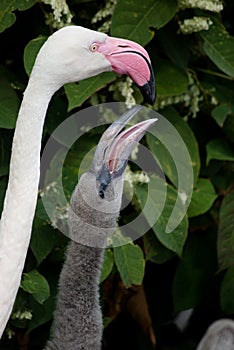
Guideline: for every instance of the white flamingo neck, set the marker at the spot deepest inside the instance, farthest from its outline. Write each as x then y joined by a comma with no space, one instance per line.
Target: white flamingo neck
21,196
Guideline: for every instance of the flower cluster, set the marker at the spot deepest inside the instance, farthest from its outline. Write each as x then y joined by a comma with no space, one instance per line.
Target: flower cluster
126,90
22,315
61,14
191,98
118,238
135,177
135,152
9,332
198,23
195,24
130,179
60,211
105,13
209,5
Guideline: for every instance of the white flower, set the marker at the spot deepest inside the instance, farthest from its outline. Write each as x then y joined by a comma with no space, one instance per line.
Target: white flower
131,178
52,198
118,238
22,315
126,90
135,177
209,5
61,14
105,13
134,152
50,187
214,100
10,333
191,98
195,24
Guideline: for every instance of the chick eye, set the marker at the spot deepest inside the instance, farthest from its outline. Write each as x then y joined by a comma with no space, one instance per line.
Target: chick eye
101,194
102,189
93,47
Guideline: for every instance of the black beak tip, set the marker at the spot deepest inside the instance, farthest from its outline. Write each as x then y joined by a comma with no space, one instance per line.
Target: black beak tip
148,92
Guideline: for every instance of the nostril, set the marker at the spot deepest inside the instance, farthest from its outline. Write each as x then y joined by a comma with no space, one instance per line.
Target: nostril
123,46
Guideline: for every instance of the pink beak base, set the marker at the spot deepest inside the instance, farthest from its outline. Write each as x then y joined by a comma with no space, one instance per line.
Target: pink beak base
130,58
119,151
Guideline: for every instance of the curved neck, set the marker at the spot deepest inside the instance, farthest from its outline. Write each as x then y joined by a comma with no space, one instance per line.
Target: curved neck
21,196
78,318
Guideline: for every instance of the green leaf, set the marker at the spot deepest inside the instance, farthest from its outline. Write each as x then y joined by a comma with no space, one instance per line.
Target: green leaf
160,209
42,240
176,45
171,80
163,153
9,104
133,19
3,187
30,52
42,313
227,292
175,149
7,17
218,149
56,113
202,199
107,265
228,127
194,277
220,114
219,46
130,263
5,142
34,283
174,240
77,93
155,251
225,244
221,90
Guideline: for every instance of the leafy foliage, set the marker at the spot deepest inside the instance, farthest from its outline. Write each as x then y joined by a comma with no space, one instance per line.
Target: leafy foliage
220,51
194,276
226,232
9,103
203,197
34,283
7,8
133,19
130,264
226,291
31,51
175,241
190,267
77,93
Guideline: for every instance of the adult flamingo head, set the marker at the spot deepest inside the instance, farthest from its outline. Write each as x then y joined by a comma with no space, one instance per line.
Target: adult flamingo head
75,53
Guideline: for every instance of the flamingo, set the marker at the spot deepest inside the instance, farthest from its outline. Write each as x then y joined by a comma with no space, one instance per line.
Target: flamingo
93,213
71,54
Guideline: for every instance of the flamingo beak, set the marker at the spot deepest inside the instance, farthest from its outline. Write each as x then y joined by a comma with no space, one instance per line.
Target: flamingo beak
130,58
115,147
